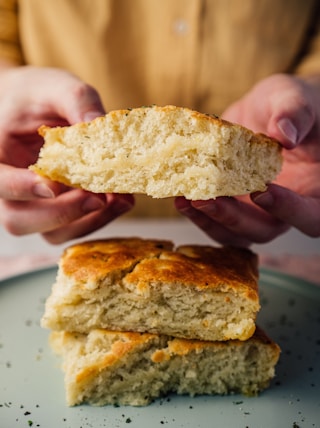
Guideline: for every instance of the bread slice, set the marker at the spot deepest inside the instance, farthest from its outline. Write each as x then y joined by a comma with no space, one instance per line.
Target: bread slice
140,285
159,151
106,367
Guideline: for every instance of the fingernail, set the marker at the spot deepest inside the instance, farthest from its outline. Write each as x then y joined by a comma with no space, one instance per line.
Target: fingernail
90,115
264,199
92,203
288,130
43,191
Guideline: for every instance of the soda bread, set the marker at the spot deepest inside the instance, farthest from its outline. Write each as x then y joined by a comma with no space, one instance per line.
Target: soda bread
141,285
107,367
159,151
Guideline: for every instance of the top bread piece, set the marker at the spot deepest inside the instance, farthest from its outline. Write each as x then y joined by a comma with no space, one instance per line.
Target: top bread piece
131,284
159,151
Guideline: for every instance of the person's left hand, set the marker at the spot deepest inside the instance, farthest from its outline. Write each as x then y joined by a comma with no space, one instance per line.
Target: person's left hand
286,108
30,97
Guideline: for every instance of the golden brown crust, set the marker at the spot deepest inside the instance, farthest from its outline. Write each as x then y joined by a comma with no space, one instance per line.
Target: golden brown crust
97,259
144,261
181,347
202,267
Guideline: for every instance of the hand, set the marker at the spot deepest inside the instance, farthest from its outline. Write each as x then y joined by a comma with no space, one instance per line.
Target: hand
286,108
30,97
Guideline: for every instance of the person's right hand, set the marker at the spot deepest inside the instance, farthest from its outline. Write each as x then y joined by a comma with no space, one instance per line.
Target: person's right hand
286,108
30,97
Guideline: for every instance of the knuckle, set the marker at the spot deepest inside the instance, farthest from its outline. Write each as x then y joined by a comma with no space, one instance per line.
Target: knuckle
13,229
62,218
52,238
13,190
232,221
10,224
267,234
82,90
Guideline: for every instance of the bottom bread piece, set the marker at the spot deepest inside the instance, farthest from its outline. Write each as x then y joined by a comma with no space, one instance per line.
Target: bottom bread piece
107,367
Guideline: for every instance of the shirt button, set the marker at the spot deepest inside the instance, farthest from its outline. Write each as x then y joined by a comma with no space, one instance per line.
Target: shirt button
180,27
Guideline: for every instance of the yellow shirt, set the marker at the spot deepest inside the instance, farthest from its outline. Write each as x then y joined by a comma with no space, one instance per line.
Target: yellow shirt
203,54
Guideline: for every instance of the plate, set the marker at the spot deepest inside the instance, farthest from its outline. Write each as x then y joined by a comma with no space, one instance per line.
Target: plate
31,382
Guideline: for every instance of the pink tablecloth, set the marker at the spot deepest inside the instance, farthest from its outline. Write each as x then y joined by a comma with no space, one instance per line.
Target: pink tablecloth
304,267
13,265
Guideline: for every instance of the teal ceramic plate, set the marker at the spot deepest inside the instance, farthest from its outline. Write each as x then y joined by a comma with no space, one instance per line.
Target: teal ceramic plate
31,382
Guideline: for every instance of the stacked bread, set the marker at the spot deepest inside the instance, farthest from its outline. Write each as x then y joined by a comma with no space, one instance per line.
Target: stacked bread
136,319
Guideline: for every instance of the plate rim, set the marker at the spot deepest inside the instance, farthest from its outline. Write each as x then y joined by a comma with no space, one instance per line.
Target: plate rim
286,281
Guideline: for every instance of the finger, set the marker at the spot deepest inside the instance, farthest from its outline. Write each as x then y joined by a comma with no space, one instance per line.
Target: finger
41,215
242,219
58,97
281,106
79,228
302,212
45,216
292,115
18,184
210,227
91,222
75,100
239,219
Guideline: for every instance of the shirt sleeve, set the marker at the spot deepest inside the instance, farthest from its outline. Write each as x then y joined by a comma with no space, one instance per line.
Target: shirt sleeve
10,48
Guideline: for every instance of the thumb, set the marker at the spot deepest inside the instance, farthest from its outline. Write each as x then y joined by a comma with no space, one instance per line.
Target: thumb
19,184
281,106
73,99
292,115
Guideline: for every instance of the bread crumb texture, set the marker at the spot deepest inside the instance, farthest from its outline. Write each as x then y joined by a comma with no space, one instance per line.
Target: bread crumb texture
159,151
141,285
108,367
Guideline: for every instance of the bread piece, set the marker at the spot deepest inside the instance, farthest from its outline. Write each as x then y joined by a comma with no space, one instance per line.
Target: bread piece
131,284
133,369
161,152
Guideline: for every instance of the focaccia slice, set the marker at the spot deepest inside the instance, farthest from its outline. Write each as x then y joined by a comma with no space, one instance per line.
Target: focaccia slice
132,284
159,151
106,367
